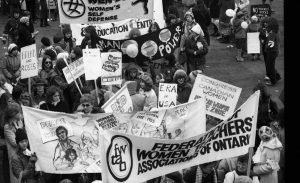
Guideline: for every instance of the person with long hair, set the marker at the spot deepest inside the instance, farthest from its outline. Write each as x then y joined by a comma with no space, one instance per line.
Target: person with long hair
54,100
90,38
68,39
47,68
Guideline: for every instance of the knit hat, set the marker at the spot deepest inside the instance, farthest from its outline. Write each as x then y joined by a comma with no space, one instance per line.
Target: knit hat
51,53
11,47
242,179
193,75
131,86
196,29
180,74
20,135
45,41
147,79
24,19
189,13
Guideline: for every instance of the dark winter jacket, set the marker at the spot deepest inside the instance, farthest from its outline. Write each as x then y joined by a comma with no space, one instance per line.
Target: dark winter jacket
60,107
191,47
25,37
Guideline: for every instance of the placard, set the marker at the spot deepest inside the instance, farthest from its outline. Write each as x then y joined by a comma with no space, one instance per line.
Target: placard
29,67
92,63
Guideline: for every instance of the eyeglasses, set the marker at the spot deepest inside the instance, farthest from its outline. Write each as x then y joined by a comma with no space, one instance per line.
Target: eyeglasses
85,105
47,62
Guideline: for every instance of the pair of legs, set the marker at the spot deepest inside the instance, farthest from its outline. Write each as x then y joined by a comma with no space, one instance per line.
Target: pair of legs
271,72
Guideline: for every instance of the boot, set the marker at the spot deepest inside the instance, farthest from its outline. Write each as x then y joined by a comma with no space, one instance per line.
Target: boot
239,57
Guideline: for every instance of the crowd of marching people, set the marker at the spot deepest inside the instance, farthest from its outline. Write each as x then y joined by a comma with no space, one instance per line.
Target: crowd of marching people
50,90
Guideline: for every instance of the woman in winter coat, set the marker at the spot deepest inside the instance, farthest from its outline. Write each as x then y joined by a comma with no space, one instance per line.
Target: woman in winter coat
12,63
267,156
224,20
54,101
146,89
69,41
196,49
202,17
26,38
13,120
183,87
47,68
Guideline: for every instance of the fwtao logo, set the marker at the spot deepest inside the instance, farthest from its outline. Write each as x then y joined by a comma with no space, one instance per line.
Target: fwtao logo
119,158
73,8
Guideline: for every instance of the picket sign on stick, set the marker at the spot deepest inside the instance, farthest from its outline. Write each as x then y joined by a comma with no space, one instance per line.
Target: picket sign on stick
29,86
249,160
73,77
98,100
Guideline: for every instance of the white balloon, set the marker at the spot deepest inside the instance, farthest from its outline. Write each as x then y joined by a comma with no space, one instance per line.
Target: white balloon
230,12
132,50
244,25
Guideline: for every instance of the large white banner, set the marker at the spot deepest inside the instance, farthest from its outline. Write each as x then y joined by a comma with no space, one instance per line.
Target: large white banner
221,97
127,158
167,95
69,143
29,67
99,11
77,69
111,72
92,63
113,30
120,102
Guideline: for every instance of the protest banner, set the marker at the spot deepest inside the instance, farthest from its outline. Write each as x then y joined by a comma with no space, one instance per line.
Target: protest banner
77,69
150,117
151,46
97,12
83,132
112,30
111,70
167,95
253,42
29,67
92,63
126,158
260,10
120,102
221,97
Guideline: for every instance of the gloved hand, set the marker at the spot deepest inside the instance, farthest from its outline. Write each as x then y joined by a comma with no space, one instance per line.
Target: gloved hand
33,158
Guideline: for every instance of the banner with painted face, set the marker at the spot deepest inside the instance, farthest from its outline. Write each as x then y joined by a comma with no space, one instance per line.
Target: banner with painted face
120,102
69,143
221,97
150,46
99,11
127,158
111,70
112,30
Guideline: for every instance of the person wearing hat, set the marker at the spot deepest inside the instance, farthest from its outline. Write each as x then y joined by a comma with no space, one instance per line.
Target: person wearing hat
10,32
23,162
11,64
189,23
39,91
146,89
69,41
26,38
196,48
183,87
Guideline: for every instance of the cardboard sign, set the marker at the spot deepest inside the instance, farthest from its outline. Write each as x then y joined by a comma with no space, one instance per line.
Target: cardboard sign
120,102
111,70
77,69
167,95
253,43
97,12
52,4
92,63
221,97
150,46
260,10
29,62
127,158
